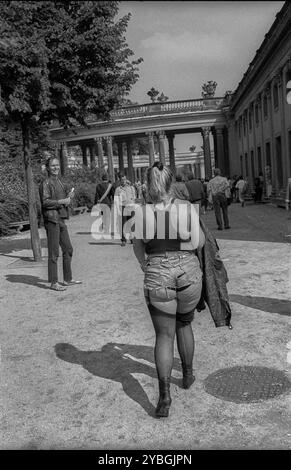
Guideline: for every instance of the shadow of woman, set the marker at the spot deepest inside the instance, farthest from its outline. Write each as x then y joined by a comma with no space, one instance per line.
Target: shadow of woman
117,361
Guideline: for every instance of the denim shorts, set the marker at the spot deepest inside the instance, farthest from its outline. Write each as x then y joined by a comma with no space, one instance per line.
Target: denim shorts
174,276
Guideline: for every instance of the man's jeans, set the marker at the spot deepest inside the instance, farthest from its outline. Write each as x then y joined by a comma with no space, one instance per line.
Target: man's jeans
220,201
124,219
57,234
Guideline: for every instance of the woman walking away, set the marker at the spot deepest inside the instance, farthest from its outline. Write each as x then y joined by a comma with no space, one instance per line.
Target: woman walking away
173,278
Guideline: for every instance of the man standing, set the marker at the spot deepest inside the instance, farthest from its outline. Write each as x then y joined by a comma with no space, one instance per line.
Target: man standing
55,202
104,195
195,189
217,187
179,189
125,193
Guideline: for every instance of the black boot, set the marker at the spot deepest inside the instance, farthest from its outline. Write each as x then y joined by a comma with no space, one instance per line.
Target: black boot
162,410
188,377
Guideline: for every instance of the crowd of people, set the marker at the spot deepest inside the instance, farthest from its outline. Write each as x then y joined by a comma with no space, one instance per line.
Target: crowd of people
216,194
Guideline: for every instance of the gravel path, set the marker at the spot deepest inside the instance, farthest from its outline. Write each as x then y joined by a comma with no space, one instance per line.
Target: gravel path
77,368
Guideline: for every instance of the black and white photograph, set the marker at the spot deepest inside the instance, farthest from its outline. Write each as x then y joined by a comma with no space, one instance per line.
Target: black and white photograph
145,228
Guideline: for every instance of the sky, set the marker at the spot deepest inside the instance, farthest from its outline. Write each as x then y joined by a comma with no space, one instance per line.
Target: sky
186,43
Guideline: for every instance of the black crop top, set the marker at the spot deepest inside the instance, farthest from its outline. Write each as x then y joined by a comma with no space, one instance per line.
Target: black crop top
164,242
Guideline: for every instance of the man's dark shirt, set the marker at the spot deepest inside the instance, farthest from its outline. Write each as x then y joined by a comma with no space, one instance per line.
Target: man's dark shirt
100,190
60,194
51,190
195,189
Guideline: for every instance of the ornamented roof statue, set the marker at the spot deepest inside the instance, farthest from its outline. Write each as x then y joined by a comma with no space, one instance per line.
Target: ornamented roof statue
209,89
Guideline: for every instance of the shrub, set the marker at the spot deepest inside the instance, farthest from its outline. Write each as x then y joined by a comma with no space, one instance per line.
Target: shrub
13,192
13,208
84,195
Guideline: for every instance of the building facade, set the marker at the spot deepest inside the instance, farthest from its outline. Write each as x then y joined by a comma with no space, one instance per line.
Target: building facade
259,118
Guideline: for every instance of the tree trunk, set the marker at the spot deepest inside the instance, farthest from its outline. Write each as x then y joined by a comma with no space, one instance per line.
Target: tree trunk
32,208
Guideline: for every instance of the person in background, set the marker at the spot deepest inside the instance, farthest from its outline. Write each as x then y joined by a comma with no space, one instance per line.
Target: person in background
138,189
179,189
126,195
217,188
195,189
104,191
173,277
261,187
55,202
143,192
104,195
241,186
228,191
234,191
204,202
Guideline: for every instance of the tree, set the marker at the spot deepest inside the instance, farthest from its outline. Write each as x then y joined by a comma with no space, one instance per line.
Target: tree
60,61
192,148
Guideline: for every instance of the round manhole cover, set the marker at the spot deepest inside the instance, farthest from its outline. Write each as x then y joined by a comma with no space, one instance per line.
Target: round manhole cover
245,384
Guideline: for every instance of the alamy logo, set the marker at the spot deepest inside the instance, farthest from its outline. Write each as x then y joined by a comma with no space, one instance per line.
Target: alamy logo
145,221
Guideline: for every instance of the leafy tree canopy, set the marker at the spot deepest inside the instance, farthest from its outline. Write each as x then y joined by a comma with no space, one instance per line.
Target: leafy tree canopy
63,60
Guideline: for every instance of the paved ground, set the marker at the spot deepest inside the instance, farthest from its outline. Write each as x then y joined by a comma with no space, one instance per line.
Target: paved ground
77,367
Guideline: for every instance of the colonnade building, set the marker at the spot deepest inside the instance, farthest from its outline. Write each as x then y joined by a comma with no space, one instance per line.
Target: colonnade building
250,128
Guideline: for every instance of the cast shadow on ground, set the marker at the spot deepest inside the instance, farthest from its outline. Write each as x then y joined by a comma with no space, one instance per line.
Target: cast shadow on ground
8,245
118,362
266,304
27,279
114,242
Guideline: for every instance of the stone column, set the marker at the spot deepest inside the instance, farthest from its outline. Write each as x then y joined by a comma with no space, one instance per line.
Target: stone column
226,152
100,154
284,141
84,153
198,170
151,148
269,94
129,160
120,156
207,153
215,147
285,106
170,138
220,150
57,146
162,151
92,155
63,157
110,158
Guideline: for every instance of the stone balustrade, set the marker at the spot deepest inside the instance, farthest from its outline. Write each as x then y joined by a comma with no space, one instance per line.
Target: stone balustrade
168,107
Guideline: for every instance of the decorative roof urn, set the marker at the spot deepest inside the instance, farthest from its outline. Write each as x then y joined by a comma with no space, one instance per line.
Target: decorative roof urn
209,89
